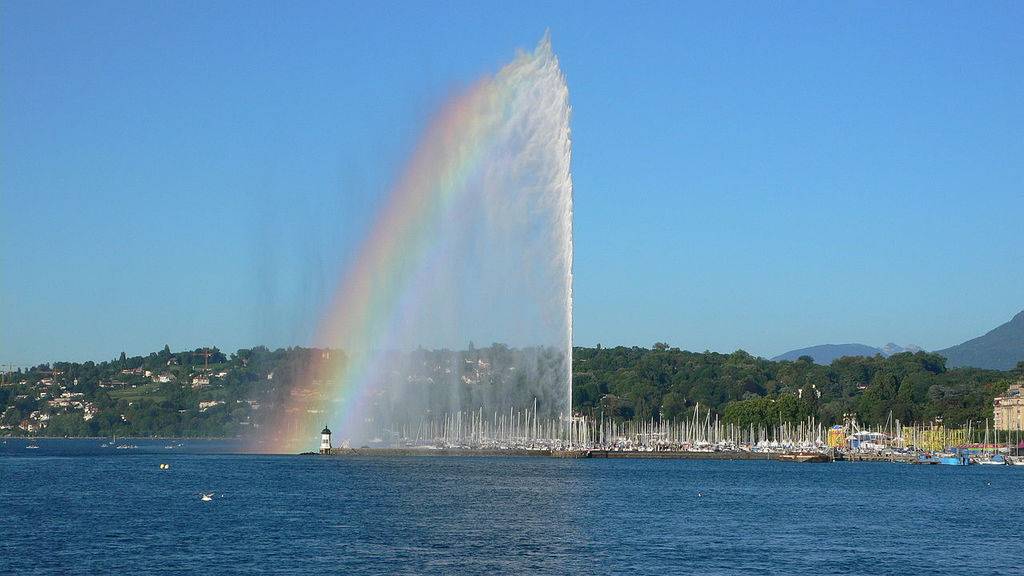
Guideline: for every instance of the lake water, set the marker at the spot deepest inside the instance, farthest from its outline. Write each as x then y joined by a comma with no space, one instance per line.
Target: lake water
73,507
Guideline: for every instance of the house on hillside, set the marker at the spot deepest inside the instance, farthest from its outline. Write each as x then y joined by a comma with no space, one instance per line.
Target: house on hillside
204,406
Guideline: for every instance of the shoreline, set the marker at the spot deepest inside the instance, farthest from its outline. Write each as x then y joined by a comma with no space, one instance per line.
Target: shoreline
579,454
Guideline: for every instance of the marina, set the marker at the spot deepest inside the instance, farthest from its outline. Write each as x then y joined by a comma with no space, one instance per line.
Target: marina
702,437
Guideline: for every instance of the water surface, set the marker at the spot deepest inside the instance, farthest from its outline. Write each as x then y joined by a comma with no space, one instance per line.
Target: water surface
73,507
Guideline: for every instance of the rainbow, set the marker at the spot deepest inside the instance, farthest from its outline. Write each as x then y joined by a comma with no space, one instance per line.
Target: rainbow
378,291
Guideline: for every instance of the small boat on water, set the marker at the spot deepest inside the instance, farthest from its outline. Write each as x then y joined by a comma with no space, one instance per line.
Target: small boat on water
31,447
206,497
996,460
803,457
946,459
1015,460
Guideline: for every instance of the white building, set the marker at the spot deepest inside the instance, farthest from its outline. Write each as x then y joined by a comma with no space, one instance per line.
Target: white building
325,440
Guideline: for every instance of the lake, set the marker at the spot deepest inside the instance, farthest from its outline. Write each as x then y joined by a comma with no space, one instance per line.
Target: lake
75,507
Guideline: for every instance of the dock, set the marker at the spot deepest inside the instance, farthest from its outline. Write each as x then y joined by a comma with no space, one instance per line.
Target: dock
571,454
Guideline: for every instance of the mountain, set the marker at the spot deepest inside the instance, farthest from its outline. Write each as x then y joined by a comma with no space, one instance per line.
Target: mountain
999,349
890,349
826,353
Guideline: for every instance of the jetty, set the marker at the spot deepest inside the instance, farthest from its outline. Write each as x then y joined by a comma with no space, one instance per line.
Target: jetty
549,453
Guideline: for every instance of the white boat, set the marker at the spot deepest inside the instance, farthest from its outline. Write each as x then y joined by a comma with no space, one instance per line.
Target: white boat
206,497
1015,460
31,447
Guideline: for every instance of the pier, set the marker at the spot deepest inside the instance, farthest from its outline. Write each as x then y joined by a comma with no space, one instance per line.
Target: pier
571,454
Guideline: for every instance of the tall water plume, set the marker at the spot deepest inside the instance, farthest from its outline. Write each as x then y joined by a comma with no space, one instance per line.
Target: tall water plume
474,245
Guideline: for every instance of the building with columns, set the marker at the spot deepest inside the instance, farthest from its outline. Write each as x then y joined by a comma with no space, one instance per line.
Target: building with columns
1009,408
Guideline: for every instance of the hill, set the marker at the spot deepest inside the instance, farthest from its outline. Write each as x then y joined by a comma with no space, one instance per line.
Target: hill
1000,349
206,392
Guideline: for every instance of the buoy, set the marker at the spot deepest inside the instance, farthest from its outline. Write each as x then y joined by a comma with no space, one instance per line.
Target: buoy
165,466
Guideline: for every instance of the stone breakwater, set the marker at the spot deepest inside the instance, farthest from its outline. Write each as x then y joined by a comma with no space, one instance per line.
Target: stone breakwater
609,454
468,452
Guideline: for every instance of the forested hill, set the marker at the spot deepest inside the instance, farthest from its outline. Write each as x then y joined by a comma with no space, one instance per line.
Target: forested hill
665,382
205,392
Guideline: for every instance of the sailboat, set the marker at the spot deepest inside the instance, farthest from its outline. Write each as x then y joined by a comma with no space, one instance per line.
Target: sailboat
992,460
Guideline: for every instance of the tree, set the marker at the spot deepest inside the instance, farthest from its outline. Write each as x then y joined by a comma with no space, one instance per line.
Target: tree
11,417
673,406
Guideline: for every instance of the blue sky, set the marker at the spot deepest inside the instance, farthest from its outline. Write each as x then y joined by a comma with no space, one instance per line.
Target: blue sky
746,175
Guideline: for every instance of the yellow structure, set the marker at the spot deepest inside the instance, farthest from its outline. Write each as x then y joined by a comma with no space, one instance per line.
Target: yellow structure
836,437
934,438
1009,408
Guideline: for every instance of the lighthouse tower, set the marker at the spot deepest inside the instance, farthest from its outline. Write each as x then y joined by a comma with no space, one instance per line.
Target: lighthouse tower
325,440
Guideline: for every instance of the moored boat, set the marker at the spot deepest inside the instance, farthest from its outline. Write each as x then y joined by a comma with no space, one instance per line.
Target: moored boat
946,459
803,457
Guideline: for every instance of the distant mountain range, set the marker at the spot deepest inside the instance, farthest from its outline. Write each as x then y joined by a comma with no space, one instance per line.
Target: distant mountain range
826,353
999,349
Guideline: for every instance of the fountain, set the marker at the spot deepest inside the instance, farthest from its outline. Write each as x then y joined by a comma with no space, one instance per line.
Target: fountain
474,244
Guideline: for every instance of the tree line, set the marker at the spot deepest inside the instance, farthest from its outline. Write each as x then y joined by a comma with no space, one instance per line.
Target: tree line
624,383
663,382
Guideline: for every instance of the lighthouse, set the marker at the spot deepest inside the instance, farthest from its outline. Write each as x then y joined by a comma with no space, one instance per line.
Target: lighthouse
325,440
